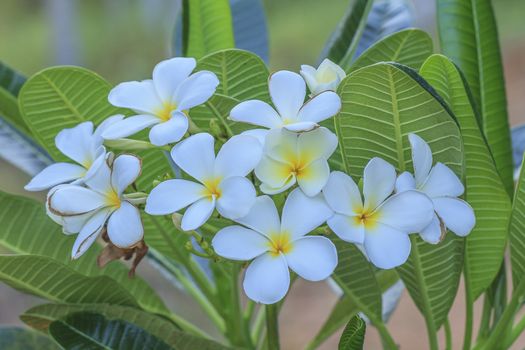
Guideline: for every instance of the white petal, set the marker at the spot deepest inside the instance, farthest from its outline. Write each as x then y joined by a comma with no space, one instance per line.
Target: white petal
55,174
347,228
196,156
421,158
100,179
77,143
379,178
268,189
97,135
129,126
74,200
238,156
320,107
263,216
342,194
125,226
273,173
387,247
169,131
308,73
257,113
442,182
314,258
197,214
302,214
301,126
172,195
195,90
319,143
126,169
237,197
239,243
73,224
267,279
89,233
457,215
100,158
259,134
432,233
313,178
139,96
56,218
405,182
287,90
168,74
281,145
409,211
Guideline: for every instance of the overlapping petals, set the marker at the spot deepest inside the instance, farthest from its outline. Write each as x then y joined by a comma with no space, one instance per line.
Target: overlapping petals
288,90
291,158
83,146
326,77
221,180
276,245
161,102
443,187
378,221
100,205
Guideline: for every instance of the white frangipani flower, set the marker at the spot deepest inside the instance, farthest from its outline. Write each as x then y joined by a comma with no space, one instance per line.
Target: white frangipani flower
276,245
326,77
86,210
291,158
288,90
162,102
443,187
81,145
379,222
222,182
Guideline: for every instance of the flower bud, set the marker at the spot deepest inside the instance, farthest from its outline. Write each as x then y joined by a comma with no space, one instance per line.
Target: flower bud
326,77
128,144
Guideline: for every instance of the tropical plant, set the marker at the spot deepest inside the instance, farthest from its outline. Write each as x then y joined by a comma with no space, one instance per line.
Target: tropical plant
396,171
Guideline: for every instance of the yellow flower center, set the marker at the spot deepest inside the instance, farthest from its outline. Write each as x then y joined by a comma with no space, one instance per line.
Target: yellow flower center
367,218
164,113
212,188
113,199
280,243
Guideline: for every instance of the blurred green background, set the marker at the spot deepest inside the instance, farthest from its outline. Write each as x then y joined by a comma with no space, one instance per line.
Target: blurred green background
123,39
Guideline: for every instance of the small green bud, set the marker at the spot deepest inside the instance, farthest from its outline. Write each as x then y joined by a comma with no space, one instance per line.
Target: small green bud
128,144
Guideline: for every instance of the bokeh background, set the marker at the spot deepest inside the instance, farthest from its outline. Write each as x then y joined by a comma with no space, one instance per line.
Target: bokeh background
123,39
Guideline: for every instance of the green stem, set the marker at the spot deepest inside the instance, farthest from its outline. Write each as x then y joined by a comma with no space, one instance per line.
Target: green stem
258,323
484,326
516,332
272,327
346,61
448,335
188,326
469,315
239,330
249,310
388,341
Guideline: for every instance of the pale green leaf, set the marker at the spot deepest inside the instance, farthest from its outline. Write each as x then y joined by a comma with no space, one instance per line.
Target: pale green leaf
353,335
484,189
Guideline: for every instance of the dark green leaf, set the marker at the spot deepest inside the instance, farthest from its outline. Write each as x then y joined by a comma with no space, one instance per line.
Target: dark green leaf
13,338
10,79
517,231
354,334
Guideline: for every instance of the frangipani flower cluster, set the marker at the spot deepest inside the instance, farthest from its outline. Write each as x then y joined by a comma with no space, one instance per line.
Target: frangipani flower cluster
234,181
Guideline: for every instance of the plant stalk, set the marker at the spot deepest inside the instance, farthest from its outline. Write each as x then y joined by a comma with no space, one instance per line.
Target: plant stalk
272,327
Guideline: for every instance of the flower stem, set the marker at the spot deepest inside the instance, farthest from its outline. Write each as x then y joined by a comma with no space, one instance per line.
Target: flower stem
516,332
386,338
469,315
272,327
448,335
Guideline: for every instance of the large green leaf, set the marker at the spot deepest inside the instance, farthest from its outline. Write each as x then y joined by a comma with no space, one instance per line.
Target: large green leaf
249,27
409,47
469,36
40,317
46,278
484,189
207,27
15,338
355,276
26,229
381,105
88,330
517,232
353,335
242,74
343,42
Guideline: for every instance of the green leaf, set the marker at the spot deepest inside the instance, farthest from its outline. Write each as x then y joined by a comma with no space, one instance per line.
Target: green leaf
87,330
14,338
381,105
40,317
353,335
355,276
343,42
249,27
9,110
46,278
469,36
484,189
10,79
517,232
207,27
409,47
242,74
26,229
